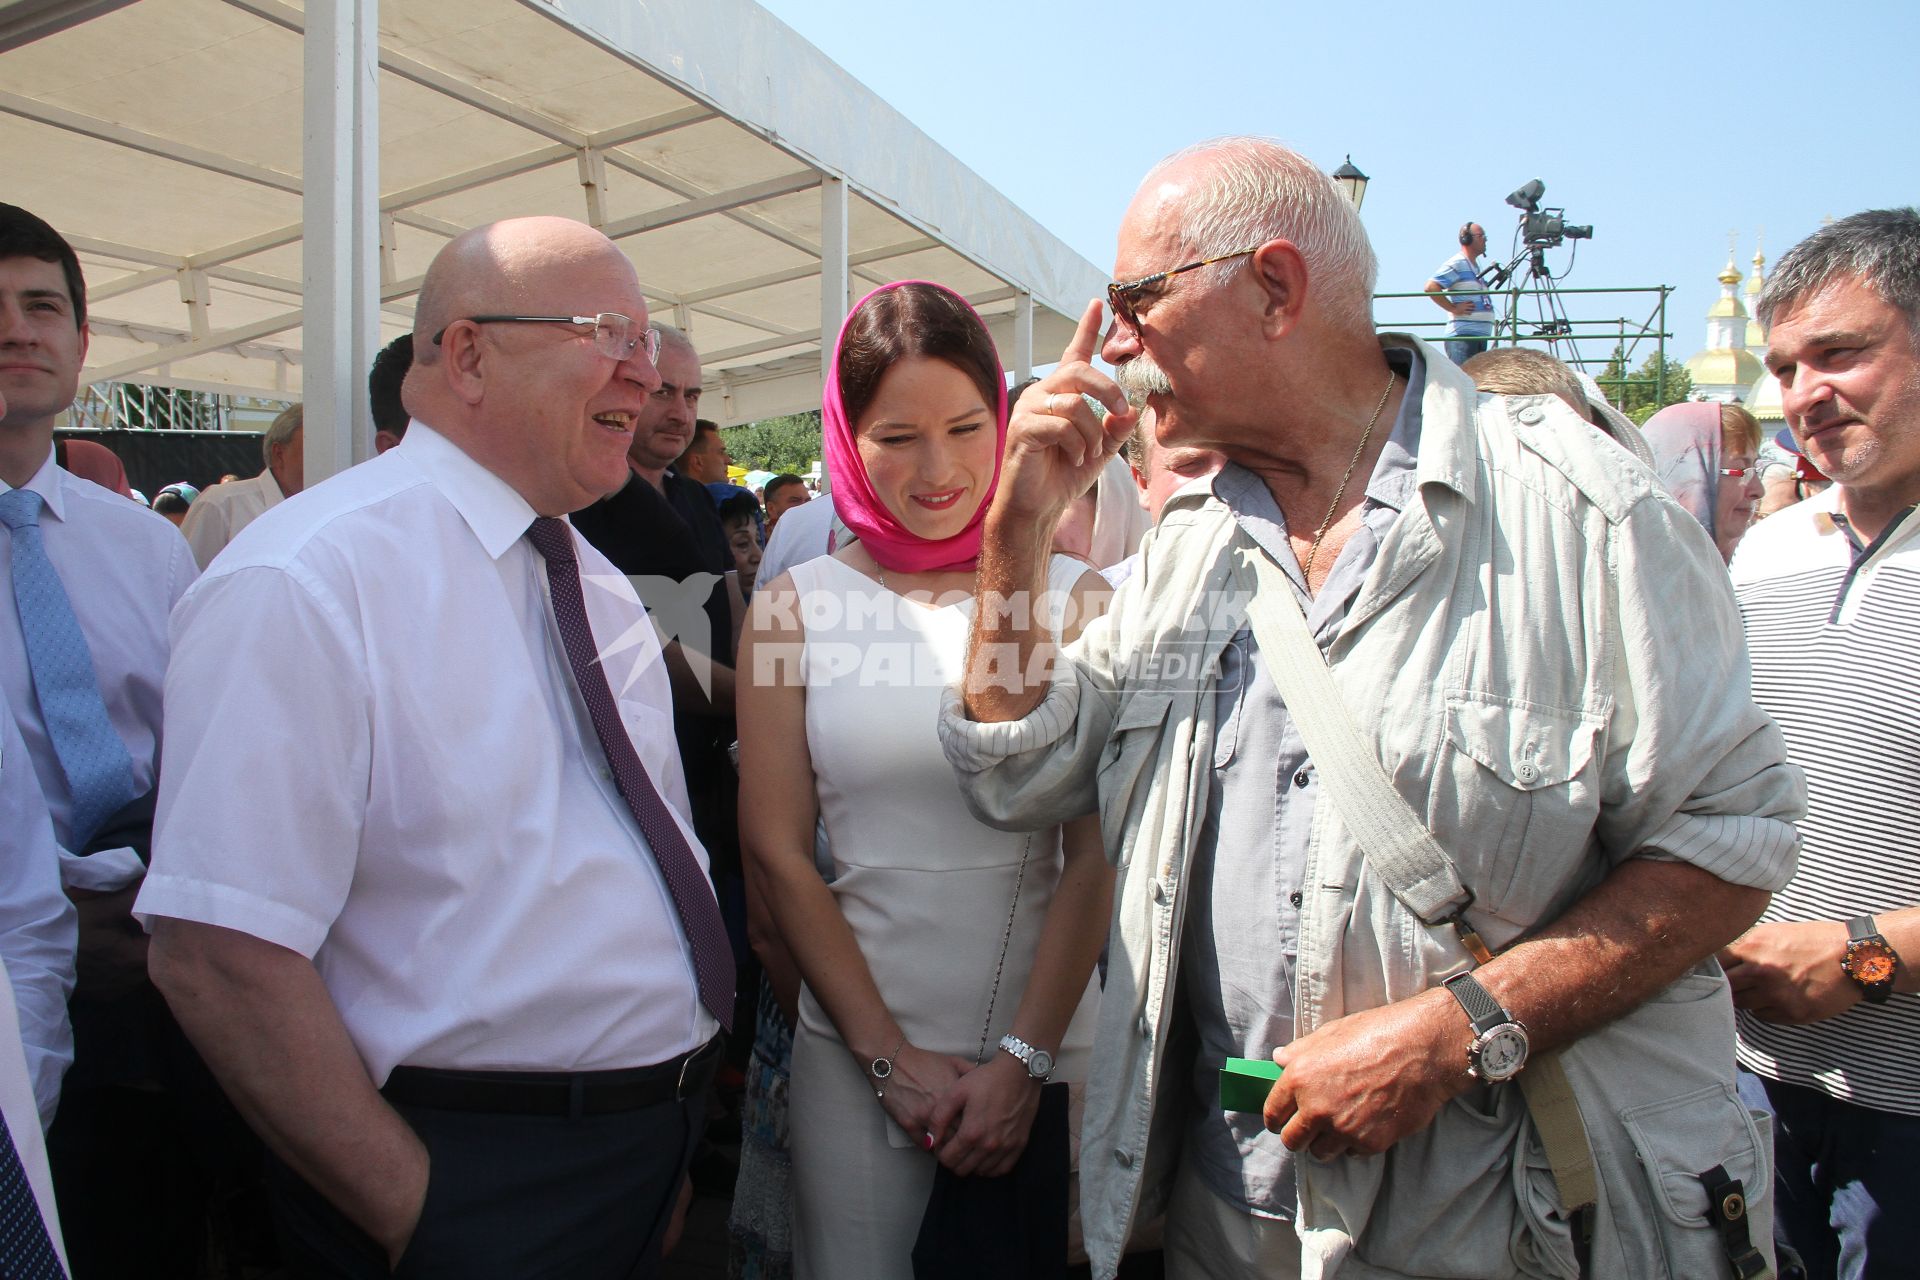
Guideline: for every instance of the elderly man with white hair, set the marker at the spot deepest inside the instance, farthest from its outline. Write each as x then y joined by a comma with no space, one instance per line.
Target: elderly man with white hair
1483,959
224,510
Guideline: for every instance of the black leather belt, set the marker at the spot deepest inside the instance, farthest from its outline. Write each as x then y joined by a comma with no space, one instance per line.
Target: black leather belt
555,1093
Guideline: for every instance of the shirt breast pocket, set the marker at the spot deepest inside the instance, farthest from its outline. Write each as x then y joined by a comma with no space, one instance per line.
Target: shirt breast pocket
1130,748
1522,783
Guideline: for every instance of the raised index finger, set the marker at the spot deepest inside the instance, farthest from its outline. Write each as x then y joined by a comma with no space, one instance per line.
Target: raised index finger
1086,338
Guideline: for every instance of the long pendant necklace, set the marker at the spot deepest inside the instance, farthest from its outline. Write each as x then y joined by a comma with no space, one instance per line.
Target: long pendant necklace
1307,572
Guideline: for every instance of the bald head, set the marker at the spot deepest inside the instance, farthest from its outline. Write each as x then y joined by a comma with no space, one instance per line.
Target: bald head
501,268
1231,194
540,401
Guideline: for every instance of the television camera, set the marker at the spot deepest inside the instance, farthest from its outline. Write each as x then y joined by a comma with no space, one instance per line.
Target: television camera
1539,230
1544,228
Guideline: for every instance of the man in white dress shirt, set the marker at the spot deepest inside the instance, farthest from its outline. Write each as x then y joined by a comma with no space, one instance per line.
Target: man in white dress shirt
36,920
107,571
223,510
36,923
430,953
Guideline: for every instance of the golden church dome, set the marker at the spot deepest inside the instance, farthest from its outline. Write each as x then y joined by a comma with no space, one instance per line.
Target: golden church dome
1725,368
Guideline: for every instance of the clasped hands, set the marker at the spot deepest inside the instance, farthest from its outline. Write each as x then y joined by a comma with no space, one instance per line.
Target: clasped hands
975,1119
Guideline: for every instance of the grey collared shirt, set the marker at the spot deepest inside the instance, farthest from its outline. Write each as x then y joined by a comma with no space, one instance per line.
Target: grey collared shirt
1237,957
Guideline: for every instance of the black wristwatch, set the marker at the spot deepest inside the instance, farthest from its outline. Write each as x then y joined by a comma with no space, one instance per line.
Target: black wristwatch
1500,1044
1870,959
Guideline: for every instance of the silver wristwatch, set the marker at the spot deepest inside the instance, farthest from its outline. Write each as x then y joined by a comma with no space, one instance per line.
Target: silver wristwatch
1038,1062
1500,1044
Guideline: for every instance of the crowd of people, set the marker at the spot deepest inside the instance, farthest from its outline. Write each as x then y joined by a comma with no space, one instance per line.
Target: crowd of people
1266,798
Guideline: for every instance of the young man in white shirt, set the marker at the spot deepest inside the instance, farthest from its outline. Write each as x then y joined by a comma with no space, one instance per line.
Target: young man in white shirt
79,559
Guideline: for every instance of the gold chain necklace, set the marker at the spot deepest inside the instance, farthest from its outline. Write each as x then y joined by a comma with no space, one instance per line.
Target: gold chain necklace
1314,550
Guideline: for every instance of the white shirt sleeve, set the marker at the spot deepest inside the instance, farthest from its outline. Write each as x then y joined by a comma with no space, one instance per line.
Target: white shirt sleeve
268,752
38,930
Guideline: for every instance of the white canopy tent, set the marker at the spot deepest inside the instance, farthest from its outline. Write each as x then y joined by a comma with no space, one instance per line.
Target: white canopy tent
215,164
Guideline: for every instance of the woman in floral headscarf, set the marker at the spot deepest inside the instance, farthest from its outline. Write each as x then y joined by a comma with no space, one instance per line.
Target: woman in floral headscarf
1706,456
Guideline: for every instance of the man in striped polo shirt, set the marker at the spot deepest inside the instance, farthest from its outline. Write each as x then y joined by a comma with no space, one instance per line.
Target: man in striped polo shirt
1829,591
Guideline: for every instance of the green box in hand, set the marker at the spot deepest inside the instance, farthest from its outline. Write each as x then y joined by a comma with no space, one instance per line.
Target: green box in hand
1246,1082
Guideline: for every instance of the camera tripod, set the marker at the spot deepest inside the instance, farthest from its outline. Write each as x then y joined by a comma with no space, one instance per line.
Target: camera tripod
1550,323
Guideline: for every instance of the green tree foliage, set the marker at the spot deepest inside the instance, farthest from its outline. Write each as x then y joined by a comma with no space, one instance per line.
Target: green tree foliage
1641,397
788,443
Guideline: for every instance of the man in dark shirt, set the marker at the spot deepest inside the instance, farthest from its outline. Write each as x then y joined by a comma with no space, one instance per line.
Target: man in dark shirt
662,527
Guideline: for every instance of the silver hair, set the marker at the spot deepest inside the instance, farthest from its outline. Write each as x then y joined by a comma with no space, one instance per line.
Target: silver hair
281,430
1257,190
673,337
1880,247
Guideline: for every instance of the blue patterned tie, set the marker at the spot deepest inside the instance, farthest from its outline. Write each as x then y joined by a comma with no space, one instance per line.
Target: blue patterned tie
99,770
25,1251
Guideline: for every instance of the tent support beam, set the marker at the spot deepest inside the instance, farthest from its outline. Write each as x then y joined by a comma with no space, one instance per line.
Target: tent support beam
834,268
340,251
1022,335
717,202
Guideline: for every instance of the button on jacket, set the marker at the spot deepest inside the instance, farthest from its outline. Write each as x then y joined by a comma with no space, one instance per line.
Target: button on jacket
1547,659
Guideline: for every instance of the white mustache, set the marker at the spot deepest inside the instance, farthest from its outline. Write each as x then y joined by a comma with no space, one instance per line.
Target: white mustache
1139,378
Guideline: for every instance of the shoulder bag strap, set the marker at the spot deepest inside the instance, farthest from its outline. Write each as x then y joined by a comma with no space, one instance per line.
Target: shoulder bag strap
1397,844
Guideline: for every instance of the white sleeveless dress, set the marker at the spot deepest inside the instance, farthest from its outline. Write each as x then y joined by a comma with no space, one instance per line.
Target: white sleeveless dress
927,891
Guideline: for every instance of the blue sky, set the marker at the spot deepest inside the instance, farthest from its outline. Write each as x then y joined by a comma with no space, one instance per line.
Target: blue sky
1664,125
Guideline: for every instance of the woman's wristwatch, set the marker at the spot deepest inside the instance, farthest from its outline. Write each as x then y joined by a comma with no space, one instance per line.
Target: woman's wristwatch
1038,1062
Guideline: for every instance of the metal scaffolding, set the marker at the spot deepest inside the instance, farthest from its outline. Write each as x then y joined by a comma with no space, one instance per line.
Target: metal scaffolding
1537,315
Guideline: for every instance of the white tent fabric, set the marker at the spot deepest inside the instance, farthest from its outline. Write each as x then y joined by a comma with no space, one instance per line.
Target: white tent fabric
756,186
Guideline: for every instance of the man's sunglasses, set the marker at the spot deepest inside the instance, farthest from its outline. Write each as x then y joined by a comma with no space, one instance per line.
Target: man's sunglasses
1125,298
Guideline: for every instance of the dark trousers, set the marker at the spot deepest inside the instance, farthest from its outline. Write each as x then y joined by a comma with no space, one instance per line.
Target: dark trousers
146,1152
1846,1186
513,1197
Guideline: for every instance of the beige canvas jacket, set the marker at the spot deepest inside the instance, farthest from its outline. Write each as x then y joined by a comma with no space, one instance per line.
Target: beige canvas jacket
1547,659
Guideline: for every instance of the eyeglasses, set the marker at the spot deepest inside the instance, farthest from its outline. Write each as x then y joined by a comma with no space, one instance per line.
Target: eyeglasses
1124,298
613,334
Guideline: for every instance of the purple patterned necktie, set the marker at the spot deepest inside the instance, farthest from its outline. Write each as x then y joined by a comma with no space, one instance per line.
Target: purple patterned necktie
692,892
26,1251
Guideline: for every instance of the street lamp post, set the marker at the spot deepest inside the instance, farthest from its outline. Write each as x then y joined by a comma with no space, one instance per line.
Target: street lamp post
1351,181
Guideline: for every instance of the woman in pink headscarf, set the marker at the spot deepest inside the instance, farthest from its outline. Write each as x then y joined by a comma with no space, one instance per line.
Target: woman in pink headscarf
1706,456
948,965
